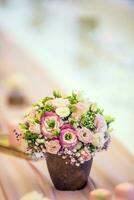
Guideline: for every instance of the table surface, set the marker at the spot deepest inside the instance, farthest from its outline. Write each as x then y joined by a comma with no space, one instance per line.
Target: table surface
18,176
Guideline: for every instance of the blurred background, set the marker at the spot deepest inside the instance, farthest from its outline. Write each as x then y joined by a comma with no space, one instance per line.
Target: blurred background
85,45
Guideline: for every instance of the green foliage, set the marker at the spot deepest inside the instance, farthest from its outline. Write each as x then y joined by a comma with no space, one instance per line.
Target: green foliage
87,120
46,108
100,111
79,146
44,100
29,136
57,94
92,148
41,102
109,119
51,123
37,120
73,122
23,128
38,105
73,98
72,108
56,132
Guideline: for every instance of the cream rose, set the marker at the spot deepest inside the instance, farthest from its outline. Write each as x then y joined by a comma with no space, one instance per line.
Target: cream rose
63,111
98,139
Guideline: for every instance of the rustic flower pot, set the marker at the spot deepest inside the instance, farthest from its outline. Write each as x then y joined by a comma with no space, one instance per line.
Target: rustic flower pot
67,177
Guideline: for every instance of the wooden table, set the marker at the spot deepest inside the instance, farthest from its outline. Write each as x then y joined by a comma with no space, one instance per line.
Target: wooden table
18,176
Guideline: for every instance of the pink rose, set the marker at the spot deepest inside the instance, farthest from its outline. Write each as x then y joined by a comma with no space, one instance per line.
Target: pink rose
84,135
53,146
100,123
85,155
80,109
68,136
50,122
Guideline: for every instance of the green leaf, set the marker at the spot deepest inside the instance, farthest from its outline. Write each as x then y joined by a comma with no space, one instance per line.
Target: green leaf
109,119
23,128
92,148
72,108
48,108
37,120
57,94
100,111
87,120
73,98
56,132
44,100
73,122
29,136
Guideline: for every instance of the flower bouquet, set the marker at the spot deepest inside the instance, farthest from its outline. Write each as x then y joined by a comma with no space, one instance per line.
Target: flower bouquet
68,131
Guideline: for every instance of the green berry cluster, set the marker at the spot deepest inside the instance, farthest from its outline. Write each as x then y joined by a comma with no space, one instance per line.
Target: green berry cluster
87,120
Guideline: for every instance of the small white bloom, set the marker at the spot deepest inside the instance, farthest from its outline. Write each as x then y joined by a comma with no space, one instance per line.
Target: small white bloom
73,160
77,164
63,111
39,155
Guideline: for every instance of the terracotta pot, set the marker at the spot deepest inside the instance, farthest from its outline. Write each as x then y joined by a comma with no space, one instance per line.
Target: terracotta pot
67,176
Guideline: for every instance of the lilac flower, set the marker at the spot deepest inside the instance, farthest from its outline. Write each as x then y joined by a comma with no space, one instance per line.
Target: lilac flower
100,123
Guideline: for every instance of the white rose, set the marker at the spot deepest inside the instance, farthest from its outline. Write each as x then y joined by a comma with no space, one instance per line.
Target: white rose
63,111
59,102
98,139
